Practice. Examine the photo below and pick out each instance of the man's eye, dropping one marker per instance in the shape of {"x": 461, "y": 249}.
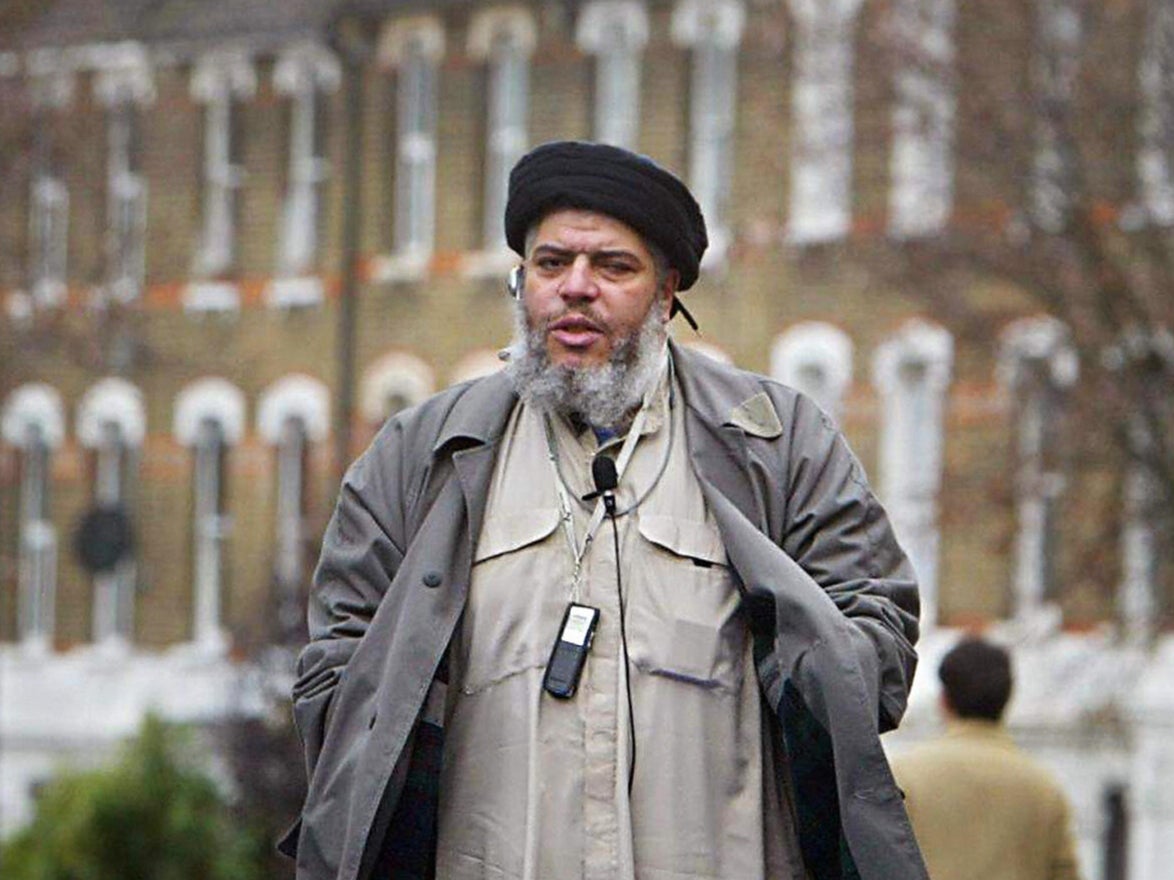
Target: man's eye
{"x": 548, "y": 264}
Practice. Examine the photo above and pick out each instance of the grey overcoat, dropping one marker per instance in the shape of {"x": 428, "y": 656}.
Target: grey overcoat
{"x": 830, "y": 598}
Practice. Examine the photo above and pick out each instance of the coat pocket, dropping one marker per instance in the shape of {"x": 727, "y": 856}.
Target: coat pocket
{"x": 683, "y": 608}
{"x": 516, "y": 597}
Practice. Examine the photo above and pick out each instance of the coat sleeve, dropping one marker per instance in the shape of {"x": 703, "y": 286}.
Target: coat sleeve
{"x": 361, "y": 552}
{"x": 837, "y": 531}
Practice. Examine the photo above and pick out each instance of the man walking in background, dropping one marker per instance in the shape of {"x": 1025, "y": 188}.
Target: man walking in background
{"x": 981, "y": 808}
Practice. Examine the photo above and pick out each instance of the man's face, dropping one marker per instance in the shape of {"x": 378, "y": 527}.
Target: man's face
{"x": 590, "y": 283}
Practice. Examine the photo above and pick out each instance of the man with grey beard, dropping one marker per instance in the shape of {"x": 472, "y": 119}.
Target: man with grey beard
{"x": 619, "y": 611}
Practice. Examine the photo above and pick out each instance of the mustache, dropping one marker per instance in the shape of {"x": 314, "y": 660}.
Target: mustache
{"x": 578, "y": 318}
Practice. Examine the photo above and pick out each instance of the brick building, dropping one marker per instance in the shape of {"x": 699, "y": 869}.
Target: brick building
{"x": 185, "y": 338}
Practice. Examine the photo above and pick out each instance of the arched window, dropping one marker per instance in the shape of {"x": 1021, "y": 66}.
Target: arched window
{"x": 1144, "y": 555}
{"x": 209, "y": 417}
{"x": 292, "y": 413}
{"x": 412, "y": 49}
{"x": 51, "y": 89}
{"x": 33, "y": 422}
{"x": 111, "y": 423}
{"x": 1157, "y": 115}
{"x": 305, "y": 74}
{"x": 712, "y": 31}
{"x": 615, "y": 32}
{"x": 821, "y": 159}
{"x": 1036, "y": 365}
{"x": 504, "y": 38}
{"x": 394, "y": 382}
{"x": 912, "y": 372}
{"x": 124, "y": 85}
{"x": 922, "y": 160}
{"x": 815, "y": 358}
{"x": 220, "y": 81}
{"x": 1059, "y": 38}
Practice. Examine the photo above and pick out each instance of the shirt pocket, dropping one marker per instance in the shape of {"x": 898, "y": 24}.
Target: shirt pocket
{"x": 683, "y": 620}
{"x": 514, "y": 605}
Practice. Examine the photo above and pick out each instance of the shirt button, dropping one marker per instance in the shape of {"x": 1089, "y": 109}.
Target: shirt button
{"x": 432, "y": 579}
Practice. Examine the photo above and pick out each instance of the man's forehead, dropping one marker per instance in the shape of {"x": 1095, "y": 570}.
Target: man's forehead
{"x": 583, "y": 230}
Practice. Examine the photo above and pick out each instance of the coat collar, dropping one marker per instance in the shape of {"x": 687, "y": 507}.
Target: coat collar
{"x": 480, "y": 412}
{"x": 721, "y": 395}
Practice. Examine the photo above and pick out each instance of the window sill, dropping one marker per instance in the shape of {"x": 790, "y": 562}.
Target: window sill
{"x": 399, "y": 268}
{"x": 211, "y": 296}
{"x": 488, "y": 264}
{"x": 294, "y": 293}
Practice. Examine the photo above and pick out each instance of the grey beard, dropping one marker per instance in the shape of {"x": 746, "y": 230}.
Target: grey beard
{"x": 604, "y": 395}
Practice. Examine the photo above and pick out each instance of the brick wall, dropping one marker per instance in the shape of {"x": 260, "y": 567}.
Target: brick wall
{"x": 767, "y": 287}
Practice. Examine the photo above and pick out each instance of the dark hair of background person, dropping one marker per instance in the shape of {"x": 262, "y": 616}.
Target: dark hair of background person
{"x": 976, "y": 679}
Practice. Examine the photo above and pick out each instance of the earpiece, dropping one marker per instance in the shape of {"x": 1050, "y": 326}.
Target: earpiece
{"x": 516, "y": 281}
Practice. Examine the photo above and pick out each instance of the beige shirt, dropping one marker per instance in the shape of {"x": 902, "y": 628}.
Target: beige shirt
{"x": 536, "y": 787}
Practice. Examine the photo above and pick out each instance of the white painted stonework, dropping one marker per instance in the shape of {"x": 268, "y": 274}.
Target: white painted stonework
{"x": 75, "y": 708}
{"x": 111, "y": 400}
{"x": 296, "y": 395}
{"x": 395, "y": 375}
{"x": 209, "y": 398}
{"x": 815, "y": 358}
{"x": 33, "y": 404}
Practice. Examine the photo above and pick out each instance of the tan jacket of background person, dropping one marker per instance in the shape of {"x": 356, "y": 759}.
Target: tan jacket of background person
{"x": 983, "y": 810}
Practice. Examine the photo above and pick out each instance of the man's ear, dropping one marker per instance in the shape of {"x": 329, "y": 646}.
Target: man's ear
{"x": 669, "y": 293}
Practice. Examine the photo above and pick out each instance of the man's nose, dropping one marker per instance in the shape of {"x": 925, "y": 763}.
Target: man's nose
{"x": 579, "y": 281}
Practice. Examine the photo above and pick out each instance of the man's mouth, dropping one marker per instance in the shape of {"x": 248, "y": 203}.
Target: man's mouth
{"x": 575, "y": 331}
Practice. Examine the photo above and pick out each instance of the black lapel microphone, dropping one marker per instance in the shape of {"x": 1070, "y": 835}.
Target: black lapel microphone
{"x": 603, "y": 473}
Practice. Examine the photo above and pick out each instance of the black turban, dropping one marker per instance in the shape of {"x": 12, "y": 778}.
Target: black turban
{"x": 613, "y": 181}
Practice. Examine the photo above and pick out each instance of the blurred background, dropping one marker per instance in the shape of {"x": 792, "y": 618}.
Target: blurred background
{"x": 236, "y": 235}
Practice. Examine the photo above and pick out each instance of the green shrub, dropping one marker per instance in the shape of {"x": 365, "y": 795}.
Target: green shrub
{"x": 153, "y": 815}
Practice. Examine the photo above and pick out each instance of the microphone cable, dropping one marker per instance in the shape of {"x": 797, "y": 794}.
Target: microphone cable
{"x": 609, "y": 504}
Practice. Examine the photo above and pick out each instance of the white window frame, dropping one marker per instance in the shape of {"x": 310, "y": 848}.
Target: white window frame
{"x": 816, "y": 358}
{"x": 52, "y": 88}
{"x": 615, "y": 32}
{"x": 1036, "y": 365}
{"x": 111, "y": 423}
{"x": 504, "y": 38}
{"x": 822, "y": 144}
{"x": 124, "y": 86}
{"x": 292, "y": 413}
{"x": 1156, "y": 76}
{"x": 305, "y": 73}
{"x": 209, "y": 419}
{"x": 911, "y": 372}
{"x": 33, "y": 421}
{"x": 1142, "y": 552}
{"x": 48, "y": 239}
{"x": 1055, "y": 68}
{"x": 413, "y": 48}
{"x": 396, "y": 374}
{"x": 712, "y": 31}
{"x": 1137, "y": 604}
{"x": 921, "y": 195}
{"x": 220, "y": 80}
